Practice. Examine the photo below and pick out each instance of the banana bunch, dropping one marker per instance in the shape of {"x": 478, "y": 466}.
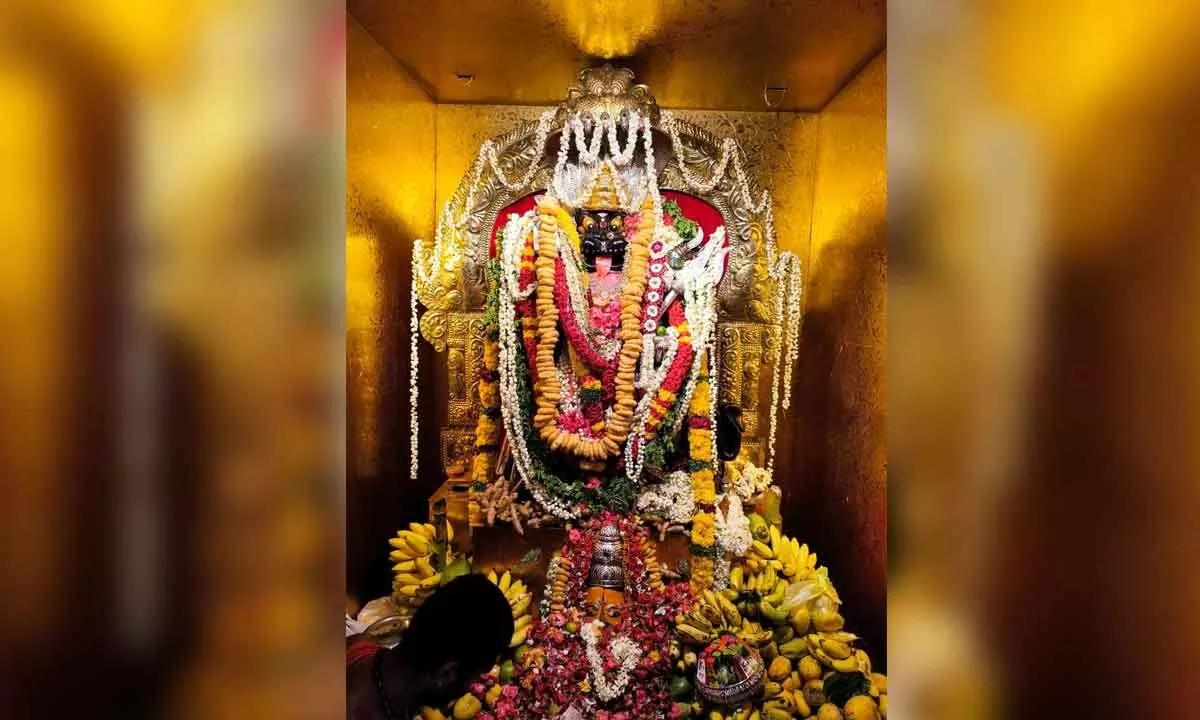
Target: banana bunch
{"x": 835, "y": 650}
{"x": 746, "y": 712}
{"x": 413, "y": 555}
{"x": 519, "y": 599}
{"x": 783, "y": 554}
{"x": 712, "y": 615}
{"x": 759, "y": 593}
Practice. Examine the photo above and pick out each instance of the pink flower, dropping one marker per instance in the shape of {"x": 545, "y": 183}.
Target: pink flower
{"x": 485, "y": 715}
{"x": 509, "y": 692}
{"x": 593, "y": 484}
{"x": 478, "y": 689}
{"x": 575, "y": 536}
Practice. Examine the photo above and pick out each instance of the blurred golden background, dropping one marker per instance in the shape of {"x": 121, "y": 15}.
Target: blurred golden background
{"x": 826, "y": 169}
{"x": 1041, "y": 339}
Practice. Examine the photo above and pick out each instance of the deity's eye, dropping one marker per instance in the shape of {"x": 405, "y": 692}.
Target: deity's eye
{"x": 616, "y": 223}
{"x": 588, "y": 222}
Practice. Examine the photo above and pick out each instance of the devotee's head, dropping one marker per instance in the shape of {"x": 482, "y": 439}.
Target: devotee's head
{"x": 455, "y": 636}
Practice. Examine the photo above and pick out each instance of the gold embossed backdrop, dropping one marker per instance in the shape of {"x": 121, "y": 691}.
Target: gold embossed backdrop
{"x": 826, "y": 171}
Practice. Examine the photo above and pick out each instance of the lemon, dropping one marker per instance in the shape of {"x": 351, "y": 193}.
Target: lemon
{"x": 829, "y": 711}
{"x": 809, "y": 668}
{"x": 879, "y": 680}
{"x": 780, "y": 668}
{"x": 467, "y": 707}
{"x": 861, "y": 707}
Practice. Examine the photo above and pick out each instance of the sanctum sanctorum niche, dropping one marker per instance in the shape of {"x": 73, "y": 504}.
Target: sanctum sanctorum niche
{"x": 615, "y": 327}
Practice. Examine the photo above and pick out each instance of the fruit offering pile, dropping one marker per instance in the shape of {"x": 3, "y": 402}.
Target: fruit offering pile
{"x": 782, "y": 603}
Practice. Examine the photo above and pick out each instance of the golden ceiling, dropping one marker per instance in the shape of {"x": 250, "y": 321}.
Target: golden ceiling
{"x": 717, "y": 54}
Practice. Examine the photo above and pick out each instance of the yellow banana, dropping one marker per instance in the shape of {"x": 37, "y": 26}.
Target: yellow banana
{"x": 406, "y": 566}
{"x": 518, "y": 637}
{"x": 730, "y": 611}
{"x": 774, "y": 712}
{"x": 505, "y": 581}
{"x": 776, "y": 615}
{"x": 864, "y": 661}
{"x": 432, "y": 581}
{"x": 403, "y": 549}
{"x": 836, "y": 649}
{"x": 416, "y": 541}
{"x": 762, "y": 550}
{"x": 692, "y": 633}
{"x": 425, "y": 567}
{"x": 846, "y": 665}
{"x": 517, "y": 589}
{"x": 408, "y": 579}
{"x": 522, "y": 605}
{"x": 491, "y": 576}
{"x": 736, "y": 577}
{"x": 523, "y": 622}
{"x": 801, "y": 705}
{"x": 424, "y": 529}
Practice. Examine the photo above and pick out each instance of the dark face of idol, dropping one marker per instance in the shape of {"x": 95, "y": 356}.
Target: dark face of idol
{"x": 602, "y": 234}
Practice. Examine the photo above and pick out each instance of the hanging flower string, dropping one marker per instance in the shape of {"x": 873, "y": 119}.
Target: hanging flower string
{"x": 704, "y": 489}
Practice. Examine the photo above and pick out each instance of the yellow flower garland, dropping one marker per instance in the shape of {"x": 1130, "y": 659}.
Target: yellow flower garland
{"x": 547, "y": 390}
{"x": 487, "y": 430}
{"x": 704, "y": 486}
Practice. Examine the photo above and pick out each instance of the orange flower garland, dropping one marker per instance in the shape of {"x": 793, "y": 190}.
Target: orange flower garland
{"x": 487, "y": 429}
{"x": 547, "y": 389}
{"x": 704, "y": 523}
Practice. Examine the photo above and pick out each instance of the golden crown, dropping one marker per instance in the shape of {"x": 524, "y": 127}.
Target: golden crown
{"x": 604, "y": 195}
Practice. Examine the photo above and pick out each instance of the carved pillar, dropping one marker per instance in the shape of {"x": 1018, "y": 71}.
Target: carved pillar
{"x": 746, "y": 353}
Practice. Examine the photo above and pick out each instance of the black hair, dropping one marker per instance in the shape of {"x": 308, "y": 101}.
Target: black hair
{"x": 467, "y": 621}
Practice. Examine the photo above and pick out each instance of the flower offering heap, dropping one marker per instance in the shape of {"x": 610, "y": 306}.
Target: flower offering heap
{"x": 602, "y": 281}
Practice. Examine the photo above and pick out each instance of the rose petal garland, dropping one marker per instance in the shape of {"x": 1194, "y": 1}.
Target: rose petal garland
{"x": 704, "y": 488}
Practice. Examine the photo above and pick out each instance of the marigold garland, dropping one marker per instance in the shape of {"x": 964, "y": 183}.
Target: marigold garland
{"x": 487, "y": 429}
{"x": 547, "y": 388}
{"x": 703, "y": 484}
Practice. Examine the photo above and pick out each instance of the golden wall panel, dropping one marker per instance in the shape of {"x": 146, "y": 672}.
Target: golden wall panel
{"x": 837, "y": 433}
{"x": 390, "y": 130}
{"x": 389, "y": 203}
{"x": 461, "y": 129}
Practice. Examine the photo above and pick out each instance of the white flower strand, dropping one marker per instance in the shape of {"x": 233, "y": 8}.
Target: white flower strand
{"x": 621, "y": 157}
{"x": 510, "y": 407}
{"x": 624, "y": 650}
{"x": 589, "y": 153}
{"x": 414, "y": 362}
{"x": 672, "y": 500}
{"x": 733, "y": 527}
{"x": 782, "y": 267}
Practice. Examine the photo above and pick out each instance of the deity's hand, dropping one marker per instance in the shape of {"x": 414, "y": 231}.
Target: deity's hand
{"x": 709, "y": 263}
